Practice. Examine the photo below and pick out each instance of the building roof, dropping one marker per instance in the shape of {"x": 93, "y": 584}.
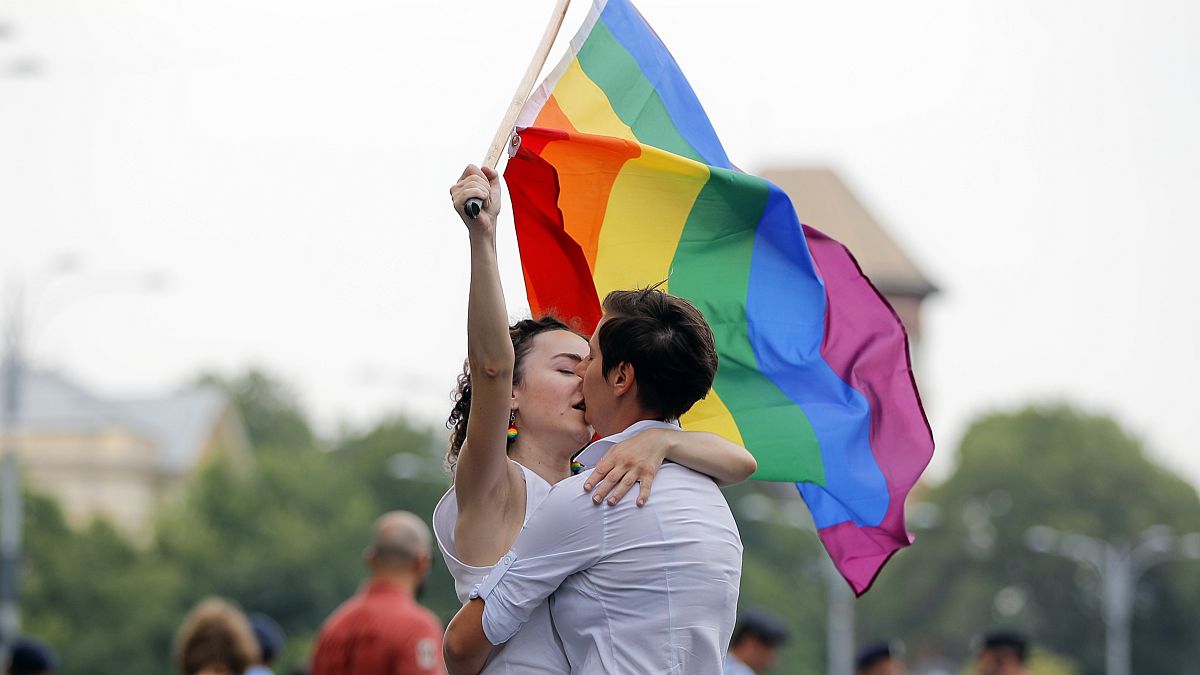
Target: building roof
{"x": 824, "y": 202}
{"x": 178, "y": 424}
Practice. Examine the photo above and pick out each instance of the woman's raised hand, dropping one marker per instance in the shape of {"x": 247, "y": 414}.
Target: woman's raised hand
{"x": 482, "y": 183}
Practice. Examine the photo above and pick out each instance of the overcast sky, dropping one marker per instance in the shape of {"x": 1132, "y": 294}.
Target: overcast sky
{"x": 286, "y": 164}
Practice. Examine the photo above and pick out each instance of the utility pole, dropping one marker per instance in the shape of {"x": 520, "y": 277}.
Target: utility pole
{"x": 15, "y": 323}
{"x": 1119, "y": 565}
{"x": 11, "y": 511}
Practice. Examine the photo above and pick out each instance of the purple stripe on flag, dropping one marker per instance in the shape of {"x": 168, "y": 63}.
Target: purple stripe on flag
{"x": 900, "y": 437}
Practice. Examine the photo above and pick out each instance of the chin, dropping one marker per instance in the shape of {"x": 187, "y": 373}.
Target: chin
{"x": 587, "y": 434}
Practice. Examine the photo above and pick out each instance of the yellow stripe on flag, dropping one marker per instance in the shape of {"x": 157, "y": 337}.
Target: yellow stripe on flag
{"x": 587, "y": 107}
{"x": 712, "y": 416}
{"x": 647, "y": 209}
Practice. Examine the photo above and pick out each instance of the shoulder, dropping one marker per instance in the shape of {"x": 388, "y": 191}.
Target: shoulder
{"x": 345, "y": 611}
{"x": 568, "y": 491}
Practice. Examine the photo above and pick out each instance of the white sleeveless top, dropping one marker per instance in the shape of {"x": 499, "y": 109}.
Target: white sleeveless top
{"x": 537, "y": 647}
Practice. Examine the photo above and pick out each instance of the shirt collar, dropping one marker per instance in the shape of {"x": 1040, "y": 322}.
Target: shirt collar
{"x": 592, "y": 453}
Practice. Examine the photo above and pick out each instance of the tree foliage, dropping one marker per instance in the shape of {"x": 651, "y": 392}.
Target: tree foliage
{"x": 284, "y": 537}
{"x": 1041, "y": 466}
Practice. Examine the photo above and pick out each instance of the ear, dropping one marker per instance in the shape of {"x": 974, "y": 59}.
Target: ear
{"x": 623, "y": 379}
{"x": 421, "y": 565}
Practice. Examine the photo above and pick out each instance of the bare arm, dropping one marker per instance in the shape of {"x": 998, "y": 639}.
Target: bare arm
{"x": 466, "y": 647}
{"x": 637, "y": 460}
{"x": 482, "y": 471}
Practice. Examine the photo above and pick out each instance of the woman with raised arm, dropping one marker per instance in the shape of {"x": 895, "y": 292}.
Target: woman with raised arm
{"x": 518, "y": 420}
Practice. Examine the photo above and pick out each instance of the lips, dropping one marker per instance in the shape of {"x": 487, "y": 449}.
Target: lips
{"x": 581, "y": 406}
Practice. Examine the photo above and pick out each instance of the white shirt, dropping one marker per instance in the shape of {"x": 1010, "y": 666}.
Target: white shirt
{"x": 635, "y": 590}
{"x": 537, "y": 649}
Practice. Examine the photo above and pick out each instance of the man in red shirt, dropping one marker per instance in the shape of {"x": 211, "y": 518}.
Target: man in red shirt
{"x": 382, "y": 630}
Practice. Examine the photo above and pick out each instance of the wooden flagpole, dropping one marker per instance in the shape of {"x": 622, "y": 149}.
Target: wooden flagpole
{"x": 500, "y": 140}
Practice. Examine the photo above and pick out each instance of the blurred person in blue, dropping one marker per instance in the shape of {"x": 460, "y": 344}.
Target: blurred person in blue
{"x": 755, "y": 645}
{"x": 1002, "y": 653}
{"x": 880, "y": 658}
{"x": 30, "y": 657}
{"x": 270, "y": 639}
{"x": 518, "y": 420}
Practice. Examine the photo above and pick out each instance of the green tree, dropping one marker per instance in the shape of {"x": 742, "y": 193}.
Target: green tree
{"x": 284, "y": 539}
{"x": 401, "y": 466}
{"x": 105, "y": 607}
{"x": 1041, "y": 466}
{"x": 269, "y": 409}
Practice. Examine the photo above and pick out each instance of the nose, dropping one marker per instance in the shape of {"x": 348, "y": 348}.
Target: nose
{"x": 581, "y": 368}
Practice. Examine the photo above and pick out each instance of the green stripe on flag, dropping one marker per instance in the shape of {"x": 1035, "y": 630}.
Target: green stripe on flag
{"x": 607, "y": 63}
{"x": 712, "y": 269}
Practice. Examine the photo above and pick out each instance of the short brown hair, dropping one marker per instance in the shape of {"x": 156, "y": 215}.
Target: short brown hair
{"x": 215, "y": 634}
{"x": 667, "y": 341}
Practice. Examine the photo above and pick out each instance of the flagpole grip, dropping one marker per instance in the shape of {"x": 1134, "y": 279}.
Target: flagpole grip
{"x": 504, "y": 132}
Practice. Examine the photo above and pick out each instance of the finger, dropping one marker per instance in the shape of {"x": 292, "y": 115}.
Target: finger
{"x": 470, "y": 170}
{"x": 463, "y": 194}
{"x": 603, "y": 467}
{"x": 603, "y": 488}
{"x": 477, "y": 182}
{"x": 622, "y": 489}
{"x": 490, "y": 174}
{"x": 644, "y": 493}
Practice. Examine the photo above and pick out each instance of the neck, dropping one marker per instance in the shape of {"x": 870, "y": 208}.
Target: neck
{"x": 623, "y": 418}
{"x": 536, "y": 455}
{"x": 403, "y": 578}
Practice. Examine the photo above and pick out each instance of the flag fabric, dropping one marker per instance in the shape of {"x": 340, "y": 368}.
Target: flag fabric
{"x": 618, "y": 180}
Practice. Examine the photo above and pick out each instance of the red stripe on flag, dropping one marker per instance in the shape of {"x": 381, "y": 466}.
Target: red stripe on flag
{"x": 558, "y": 280}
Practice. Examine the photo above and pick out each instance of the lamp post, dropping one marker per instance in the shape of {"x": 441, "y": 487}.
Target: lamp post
{"x": 11, "y": 511}
{"x": 839, "y": 605}
{"x": 17, "y": 318}
{"x": 1119, "y": 564}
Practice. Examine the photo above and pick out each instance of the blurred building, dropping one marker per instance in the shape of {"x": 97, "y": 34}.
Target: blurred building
{"x": 824, "y": 202}
{"x": 119, "y": 458}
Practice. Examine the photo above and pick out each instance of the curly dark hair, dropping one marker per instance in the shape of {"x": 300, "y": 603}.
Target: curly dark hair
{"x": 522, "y": 334}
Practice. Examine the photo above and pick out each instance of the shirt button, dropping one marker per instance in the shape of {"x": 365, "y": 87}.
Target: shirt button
{"x": 506, "y": 560}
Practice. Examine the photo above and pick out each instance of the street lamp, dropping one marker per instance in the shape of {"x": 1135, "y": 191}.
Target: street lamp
{"x": 17, "y": 318}
{"x": 839, "y": 607}
{"x": 1119, "y": 565}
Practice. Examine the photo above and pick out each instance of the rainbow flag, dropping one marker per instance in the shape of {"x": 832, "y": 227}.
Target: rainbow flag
{"x": 617, "y": 180}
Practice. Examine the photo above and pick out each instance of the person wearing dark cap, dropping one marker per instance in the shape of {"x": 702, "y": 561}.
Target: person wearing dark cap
{"x": 1002, "y": 653}
{"x": 270, "y": 641}
{"x": 755, "y": 644}
{"x": 30, "y": 657}
{"x": 881, "y": 658}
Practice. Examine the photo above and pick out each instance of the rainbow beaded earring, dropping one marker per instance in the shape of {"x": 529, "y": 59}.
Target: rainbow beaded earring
{"x": 512, "y": 427}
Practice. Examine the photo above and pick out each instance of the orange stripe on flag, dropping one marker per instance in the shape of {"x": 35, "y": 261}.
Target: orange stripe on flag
{"x": 552, "y": 117}
{"x": 586, "y": 172}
